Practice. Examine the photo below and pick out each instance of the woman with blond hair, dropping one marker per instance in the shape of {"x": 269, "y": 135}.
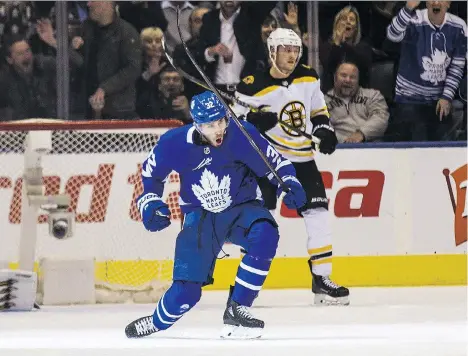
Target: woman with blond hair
{"x": 153, "y": 55}
{"x": 154, "y": 61}
{"x": 345, "y": 44}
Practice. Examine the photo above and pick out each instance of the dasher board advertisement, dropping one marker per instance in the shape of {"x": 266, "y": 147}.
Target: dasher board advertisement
{"x": 398, "y": 217}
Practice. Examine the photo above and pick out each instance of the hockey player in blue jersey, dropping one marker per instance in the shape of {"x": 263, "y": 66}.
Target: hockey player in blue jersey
{"x": 219, "y": 199}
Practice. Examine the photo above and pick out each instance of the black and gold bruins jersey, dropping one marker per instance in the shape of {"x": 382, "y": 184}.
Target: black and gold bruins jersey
{"x": 295, "y": 99}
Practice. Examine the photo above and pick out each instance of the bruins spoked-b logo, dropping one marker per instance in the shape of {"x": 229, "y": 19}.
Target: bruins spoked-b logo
{"x": 293, "y": 114}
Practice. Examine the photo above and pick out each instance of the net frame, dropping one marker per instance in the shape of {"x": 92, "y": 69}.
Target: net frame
{"x": 108, "y": 290}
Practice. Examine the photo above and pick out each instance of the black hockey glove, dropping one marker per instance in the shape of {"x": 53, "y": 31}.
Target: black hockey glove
{"x": 328, "y": 140}
{"x": 262, "y": 120}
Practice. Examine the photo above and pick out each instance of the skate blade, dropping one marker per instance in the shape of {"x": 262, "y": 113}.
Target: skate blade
{"x": 323, "y": 299}
{"x": 240, "y": 332}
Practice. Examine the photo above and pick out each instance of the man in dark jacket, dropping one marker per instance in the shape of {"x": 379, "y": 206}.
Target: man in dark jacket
{"x": 167, "y": 100}
{"x": 27, "y": 83}
{"x": 111, "y": 55}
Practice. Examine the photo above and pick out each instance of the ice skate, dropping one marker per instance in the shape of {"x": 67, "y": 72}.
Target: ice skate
{"x": 141, "y": 327}
{"x": 239, "y": 323}
{"x": 327, "y": 292}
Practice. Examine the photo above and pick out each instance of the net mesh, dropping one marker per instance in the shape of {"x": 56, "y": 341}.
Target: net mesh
{"x": 99, "y": 168}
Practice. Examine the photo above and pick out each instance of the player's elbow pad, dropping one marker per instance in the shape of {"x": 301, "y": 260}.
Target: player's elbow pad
{"x": 263, "y": 121}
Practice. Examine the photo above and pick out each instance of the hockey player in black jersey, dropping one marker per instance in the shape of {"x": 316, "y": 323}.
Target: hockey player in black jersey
{"x": 291, "y": 94}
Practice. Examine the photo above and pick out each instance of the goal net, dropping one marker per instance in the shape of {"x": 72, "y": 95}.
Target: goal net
{"x": 97, "y": 165}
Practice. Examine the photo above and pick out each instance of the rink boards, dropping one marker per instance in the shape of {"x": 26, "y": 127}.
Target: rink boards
{"x": 393, "y": 219}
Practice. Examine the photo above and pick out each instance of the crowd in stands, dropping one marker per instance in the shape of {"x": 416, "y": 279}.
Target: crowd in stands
{"x": 390, "y": 71}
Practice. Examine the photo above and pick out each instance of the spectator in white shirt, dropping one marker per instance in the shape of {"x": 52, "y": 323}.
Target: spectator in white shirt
{"x": 226, "y": 52}
{"x": 230, "y": 38}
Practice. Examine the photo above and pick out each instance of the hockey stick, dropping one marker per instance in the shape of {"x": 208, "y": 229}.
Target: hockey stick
{"x": 230, "y": 97}
{"x": 228, "y": 108}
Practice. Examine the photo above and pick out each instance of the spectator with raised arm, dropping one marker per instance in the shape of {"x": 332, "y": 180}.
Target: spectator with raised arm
{"x": 262, "y": 60}
{"x": 154, "y": 59}
{"x": 357, "y": 114}
{"x": 346, "y": 44}
{"x": 108, "y": 55}
{"x": 230, "y": 39}
{"x": 153, "y": 55}
{"x": 19, "y": 18}
{"x": 289, "y": 19}
{"x": 27, "y": 83}
{"x": 433, "y": 52}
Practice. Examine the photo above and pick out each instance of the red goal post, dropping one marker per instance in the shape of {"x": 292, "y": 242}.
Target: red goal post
{"x": 95, "y": 165}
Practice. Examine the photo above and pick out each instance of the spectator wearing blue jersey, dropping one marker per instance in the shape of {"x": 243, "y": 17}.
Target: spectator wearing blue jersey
{"x": 433, "y": 51}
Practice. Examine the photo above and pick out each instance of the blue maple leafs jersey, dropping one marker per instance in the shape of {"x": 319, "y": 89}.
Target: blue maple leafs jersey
{"x": 214, "y": 178}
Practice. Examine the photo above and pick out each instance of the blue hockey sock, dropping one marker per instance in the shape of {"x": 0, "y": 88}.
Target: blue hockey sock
{"x": 178, "y": 300}
{"x": 250, "y": 277}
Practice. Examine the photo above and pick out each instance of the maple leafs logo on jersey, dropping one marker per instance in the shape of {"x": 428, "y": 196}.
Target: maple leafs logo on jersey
{"x": 435, "y": 67}
{"x": 213, "y": 194}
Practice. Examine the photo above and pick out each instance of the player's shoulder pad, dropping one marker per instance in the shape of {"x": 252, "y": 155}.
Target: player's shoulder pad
{"x": 252, "y": 84}
{"x": 305, "y": 71}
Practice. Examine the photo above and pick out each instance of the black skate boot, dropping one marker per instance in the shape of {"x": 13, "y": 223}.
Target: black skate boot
{"x": 239, "y": 323}
{"x": 141, "y": 327}
{"x": 326, "y": 291}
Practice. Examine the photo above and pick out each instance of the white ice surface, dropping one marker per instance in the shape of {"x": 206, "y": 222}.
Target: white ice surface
{"x": 380, "y": 321}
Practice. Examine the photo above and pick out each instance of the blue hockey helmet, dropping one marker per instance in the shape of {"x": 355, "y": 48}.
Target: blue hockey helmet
{"x": 206, "y": 107}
